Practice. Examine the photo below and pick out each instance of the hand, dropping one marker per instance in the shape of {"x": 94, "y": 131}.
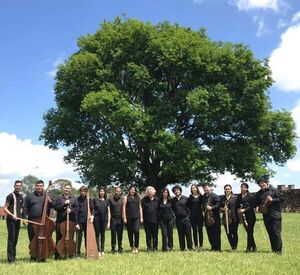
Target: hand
{"x": 208, "y": 208}
{"x": 108, "y": 226}
{"x": 125, "y": 221}
{"x": 67, "y": 201}
{"x": 69, "y": 210}
{"x": 91, "y": 218}
{"x": 25, "y": 223}
{"x": 269, "y": 199}
{"x": 77, "y": 226}
{"x": 49, "y": 200}
{"x": 141, "y": 220}
{"x": 14, "y": 217}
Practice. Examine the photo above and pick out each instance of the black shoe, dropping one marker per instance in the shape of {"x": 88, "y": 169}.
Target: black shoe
{"x": 113, "y": 251}
{"x": 120, "y": 250}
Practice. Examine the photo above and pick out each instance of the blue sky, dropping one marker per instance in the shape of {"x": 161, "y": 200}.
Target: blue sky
{"x": 38, "y": 35}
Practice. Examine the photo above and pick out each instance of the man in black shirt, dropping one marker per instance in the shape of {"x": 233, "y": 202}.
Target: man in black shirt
{"x": 150, "y": 205}
{"x": 211, "y": 205}
{"x": 66, "y": 203}
{"x": 13, "y": 208}
{"x": 270, "y": 199}
{"x": 182, "y": 214}
{"x": 116, "y": 222}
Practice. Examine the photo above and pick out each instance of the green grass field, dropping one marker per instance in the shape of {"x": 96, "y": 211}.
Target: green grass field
{"x": 204, "y": 262}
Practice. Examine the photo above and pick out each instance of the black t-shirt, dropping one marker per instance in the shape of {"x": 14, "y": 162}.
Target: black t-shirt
{"x": 115, "y": 205}
{"x": 195, "y": 205}
{"x": 231, "y": 204}
{"x": 61, "y": 208}
{"x": 34, "y": 205}
{"x": 11, "y": 203}
{"x": 150, "y": 209}
{"x": 214, "y": 201}
{"x": 132, "y": 207}
{"x": 100, "y": 209}
{"x": 82, "y": 208}
{"x": 180, "y": 209}
{"x": 246, "y": 203}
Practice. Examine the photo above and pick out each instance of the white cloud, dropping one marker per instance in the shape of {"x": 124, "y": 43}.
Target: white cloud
{"x": 261, "y": 26}
{"x": 54, "y": 64}
{"x": 295, "y": 17}
{"x": 256, "y": 4}
{"x": 285, "y": 61}
{"x": 19, "y": 158}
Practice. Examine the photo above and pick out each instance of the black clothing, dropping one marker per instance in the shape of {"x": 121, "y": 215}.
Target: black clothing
{"x": 272, "y": 219}
{"x": 182, "y": 213}
{"x": 213, "y": 231}
{"x": 13, "y": 226}
{"x": 34, "y": 205}
{"x": 195, "y": 205}
{"x": 247, "y": 203}
{"x": 100, "y": 221}
{"x": 116, "y": 222}
{"x": 82, "y": 220}
{"x": 133, "y": 207}
{"x": 166, "y": 217}
{"x": 150, "y": 215}
{"x": 232, "y": 235}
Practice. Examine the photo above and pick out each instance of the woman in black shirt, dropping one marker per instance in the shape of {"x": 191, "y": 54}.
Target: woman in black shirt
{"x": 195, "y": 205}
{"x": 132, "y": 217}
{"x": 166, "y": 217}
{"x": 101, "y": 218}
{"x": 245, "y": 205}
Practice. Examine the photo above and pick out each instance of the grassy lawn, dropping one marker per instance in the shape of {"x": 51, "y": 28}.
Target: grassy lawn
{"x": 204, "y": 262}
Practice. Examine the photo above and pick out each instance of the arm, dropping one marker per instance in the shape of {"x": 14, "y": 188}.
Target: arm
{"x": 124, "y": 209}
{"x": 109, "y": 216}
{"x": 141, "y": 211}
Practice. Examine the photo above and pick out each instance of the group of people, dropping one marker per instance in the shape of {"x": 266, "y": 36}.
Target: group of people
{"x": 190, "y": 214}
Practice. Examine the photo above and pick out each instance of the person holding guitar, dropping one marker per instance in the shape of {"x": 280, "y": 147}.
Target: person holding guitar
{"x": 13, "y": 208}
{"x": 65, "y": 205}
{"x": 268, "y": 200}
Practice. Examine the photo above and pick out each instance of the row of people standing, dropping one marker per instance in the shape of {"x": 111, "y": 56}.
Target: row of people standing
{"x": 191, "y": 214}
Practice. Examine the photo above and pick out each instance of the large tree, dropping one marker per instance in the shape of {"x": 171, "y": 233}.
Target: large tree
{"x": 161, "y": 104}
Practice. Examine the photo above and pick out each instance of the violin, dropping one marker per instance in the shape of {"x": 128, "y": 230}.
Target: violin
{"x": 242, "y": 218}
{"x": 209, "y": 218}
{"x": 42, "y": 245}
{"x": 263, "y": 207}
{"x": 227, "y": 220}
{"x": 66, "y": 246}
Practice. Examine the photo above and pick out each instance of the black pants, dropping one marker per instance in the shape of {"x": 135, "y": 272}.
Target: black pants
{"x": 100, "y": 227}
{"x": 214, "y": 235}
{"x": 167, "y": 234}
{"x": 251, "y": 246}
{"x": 151, "y": 230}
{"x": 133, "y": 230}
{"x": 116, "y": 229}
{"x": 30, "y": 232}
{"x": 273, "y": 227}
{"x": 79, "y": 237}
{"x": 197, "y": 225}
{"x": 184, "y": 233}
{"x": 13, "y": 229}
{"x": 232, "y": 235}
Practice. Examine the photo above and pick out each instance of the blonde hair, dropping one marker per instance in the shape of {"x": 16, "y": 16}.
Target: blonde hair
{"x": 148, "y": 189}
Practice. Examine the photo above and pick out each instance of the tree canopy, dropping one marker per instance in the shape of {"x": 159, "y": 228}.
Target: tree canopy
{"x": 161, "y": 104}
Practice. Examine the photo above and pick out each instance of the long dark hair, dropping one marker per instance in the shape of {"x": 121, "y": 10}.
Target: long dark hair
{"x": 228, "y": 185}
{"x": 102, "y": 188}
{"x": 162, "y": 191}
{"x": 198, "y": 190}
{"x": 136, "y": 191}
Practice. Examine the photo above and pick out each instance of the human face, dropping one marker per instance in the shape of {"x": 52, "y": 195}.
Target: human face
{"x": 67, "y": 190}
{"x": 83, "y": 193}
{"x": 101, "y": 193}
{"x": 165, "y": 194}
{"x": 39, "y": 187}
{"x": 263, "y": 185}
{"x": 244, "y": 189}
{"x": 118, "y": 192}
{"x": 151, "y": 192}
{"x": 228, "y": 190}
{"x": 18, "y": 187}
{"x": 132, "y": 191}
{"x": 194, "y": 190}
{"x": 206, "y": 189}
{"x": 177, "y": 192}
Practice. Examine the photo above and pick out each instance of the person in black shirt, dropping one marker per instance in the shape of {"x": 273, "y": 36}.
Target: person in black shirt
{"x": 116, "y": 222}
{"x": 33, "y": 207}
{"x": 182, "y": 213}
{"x": 166, "y": 218}
{"x": 150, "y": 205}
{"x": 82, "y": 217}
{"x": 13, "y": 208}
{"x": 211, "y": 204}
{"x": 228, "y": 203}
{"x": 195, "y": 205}
{"x": 245, "y": 208}
{"x": 270, "y": 198}
{"x": 101, "y": 218}
{"x": 65, "y": 203}
{"x": 132, "y": 217}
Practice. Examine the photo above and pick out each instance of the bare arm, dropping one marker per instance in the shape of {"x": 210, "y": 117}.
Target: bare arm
{"x": 141, "y": 211}
{"x": 124, "y": 209}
